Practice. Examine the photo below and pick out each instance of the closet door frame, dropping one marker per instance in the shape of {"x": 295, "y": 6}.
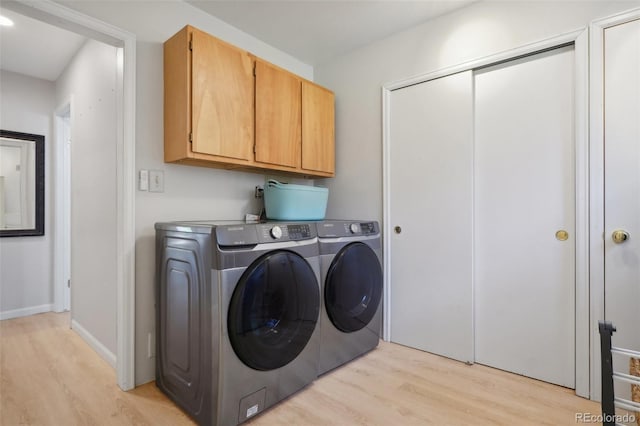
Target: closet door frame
{"x": 580, "y": 40}
{"x": 597, "y": 226}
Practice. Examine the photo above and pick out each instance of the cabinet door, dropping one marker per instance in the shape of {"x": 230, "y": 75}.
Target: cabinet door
{"x": 318, "y": 128}
{"x": 277, "y": 116}
{"x": 222, "y": 98}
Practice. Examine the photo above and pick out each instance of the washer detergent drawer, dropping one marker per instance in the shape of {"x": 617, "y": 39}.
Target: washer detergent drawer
{"x": 181, "y": 363}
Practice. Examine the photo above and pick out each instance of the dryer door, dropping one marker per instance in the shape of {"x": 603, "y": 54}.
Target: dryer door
{"x": 353, "y": 287}
{"x": 273, "y": 310}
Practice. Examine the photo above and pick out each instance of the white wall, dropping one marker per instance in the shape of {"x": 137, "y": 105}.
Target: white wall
{"x": 190, "y": 192}
{"x": 90, "y": 81}
{"x": 480, "y": 30}
{"x": 26, "y": 285}
{"x": 195, "y": 193}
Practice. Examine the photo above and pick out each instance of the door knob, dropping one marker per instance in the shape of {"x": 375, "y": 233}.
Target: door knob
{"x": 397, "y": 229}
{"x": 562, "y": 235}
{"x": 619, "y": 236}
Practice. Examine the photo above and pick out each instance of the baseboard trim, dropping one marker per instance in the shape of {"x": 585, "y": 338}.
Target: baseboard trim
{"x": 95, "y": 344}
{"x": 25, "y": 312}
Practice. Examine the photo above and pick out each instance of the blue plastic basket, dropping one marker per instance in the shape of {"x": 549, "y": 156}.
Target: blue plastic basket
{"x": 284, "y": 201}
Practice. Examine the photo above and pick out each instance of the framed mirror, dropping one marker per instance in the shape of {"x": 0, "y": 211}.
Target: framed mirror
{"x": 21, "y": 184}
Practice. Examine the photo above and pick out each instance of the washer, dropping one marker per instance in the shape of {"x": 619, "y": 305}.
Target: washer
{"x": 237, "y": 308}
{"x": 351, "y": 276}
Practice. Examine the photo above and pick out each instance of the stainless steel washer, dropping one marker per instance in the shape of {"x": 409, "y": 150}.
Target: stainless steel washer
{"x": 237, "y": 309}
{"x": 351, "y": 276}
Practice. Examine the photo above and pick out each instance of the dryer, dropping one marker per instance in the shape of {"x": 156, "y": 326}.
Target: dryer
{"x": 351, "y": 288}
{"x": 237, "y": 307}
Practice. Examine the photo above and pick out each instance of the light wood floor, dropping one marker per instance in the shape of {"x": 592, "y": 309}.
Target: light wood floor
{"x": 49, "y": 376}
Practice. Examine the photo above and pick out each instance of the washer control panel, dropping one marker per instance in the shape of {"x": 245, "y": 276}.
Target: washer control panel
{"x": 271, "y": 232}
{"x": 259, "y": 233}
{"x": 276, "y": 232}
{"x": 299, "y": 231}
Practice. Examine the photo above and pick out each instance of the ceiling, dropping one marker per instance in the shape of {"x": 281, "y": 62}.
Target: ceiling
{"x": 36, "y": 49}
{"x": 312, "y": 31}
{"x": 315, "y": 31}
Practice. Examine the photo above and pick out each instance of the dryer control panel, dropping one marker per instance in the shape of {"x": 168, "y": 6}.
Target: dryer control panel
{"x": 368, "y": 228}
{"x": 338, "y": 228}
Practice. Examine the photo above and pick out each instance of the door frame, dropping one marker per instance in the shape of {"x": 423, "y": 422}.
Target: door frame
{"x": 580, "y": 40}
{"x": 596, "y": 208}
{"x": 61, "y": 16}
{"x": 62, "y": 206}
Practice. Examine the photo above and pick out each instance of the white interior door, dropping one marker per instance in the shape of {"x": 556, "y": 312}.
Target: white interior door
{"x": 430, "y": 199}
{"x": 622, "y": 188}
{"x": 524, "y": 195}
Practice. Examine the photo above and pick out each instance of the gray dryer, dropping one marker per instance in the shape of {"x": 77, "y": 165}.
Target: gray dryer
{"x": 351, "y": 274}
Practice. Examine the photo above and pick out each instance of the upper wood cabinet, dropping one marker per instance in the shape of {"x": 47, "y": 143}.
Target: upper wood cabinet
{"x": 278, "y": 116}
{"x": 222, "y": 98}
{"x": 208, "y": 100}
{"x": 318, "y": 129}
{"x": 223, "y": 107}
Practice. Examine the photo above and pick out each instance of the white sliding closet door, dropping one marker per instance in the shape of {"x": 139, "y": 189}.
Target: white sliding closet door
{"x": 430, "y": 197}
{"x": 622, "y": 189}
{"x": 524, "y": 200}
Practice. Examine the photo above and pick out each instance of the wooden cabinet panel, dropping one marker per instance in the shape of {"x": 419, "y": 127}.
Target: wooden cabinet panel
{"x": 278, "y": 116}
{"x": 222, "y": 98}
{"x": 177, "y": 99}
{"x": 220, "y": 111}
{"x": 318, "y": 128}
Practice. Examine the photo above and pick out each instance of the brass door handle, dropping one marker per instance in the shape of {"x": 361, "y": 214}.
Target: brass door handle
{"x": 562, "y": 235}
{"x": 619, "y": 236}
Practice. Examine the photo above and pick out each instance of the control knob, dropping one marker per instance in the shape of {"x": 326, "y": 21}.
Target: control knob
{"x": 276, "y": 232}
{"x": 354, "y": 228}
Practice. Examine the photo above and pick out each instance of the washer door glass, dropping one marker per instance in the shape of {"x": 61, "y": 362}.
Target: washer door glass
{"x": 353, "y": 287}
{"x": 274, "y": 310}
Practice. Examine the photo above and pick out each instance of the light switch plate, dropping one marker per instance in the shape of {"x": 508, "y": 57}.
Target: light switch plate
{"x": 156, "y": 181}
{"x": 143, "y": 184}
